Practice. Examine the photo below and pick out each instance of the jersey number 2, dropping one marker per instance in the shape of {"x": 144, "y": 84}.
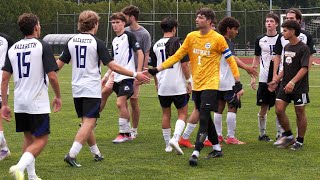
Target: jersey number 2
{"x": 24, "y": 64}
{"x": 81, "y": 52}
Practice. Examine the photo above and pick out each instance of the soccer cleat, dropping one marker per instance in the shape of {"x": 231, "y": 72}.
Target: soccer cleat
{"x": 14, "y": 171}
{"x": 185, "y": 143}
{"x": 193, "y": 160}
{"x": 284, "y": 142}
{"x": 234, "y": 140}
{"x": 71, "y": 161}
{"x": 4, "y": 154}
{"x": 133, "y": 134}
{"x": 121, "y": 138}
{"x": 175, "y": 145}
{"x": 168, "y": 149}
{"x": 98, "y": 158}
{"x": 37, "y": 178}
{"x": 264, "y": 138}
{"x": 207, "y": 143}
{"x": 221, "y": 139}
{"x": 297, "y": 146}
{"x": 214, "y": 154}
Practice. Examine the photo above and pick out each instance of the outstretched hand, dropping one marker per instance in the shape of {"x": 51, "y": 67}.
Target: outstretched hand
{"x": 143, "y": 77}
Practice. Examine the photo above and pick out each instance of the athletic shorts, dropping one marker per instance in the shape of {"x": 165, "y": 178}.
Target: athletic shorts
{"x": 205, "y": 98}
{"x": 264, "y": 96}
{"x": 178, "y": 100}
{"x": 87, "y": 107}
{"x": 37, "y": 124}
{"x": 124, "y": 88}
{"x": 298, "y": 99}
{"x": 225, "y": 95}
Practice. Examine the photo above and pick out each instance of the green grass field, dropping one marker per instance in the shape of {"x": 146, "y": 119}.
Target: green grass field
{"x": 145, "y": 158}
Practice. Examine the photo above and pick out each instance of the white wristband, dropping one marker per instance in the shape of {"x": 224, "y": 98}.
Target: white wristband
{"x": 188, "y": 80}
{"x": 134, "y": 74}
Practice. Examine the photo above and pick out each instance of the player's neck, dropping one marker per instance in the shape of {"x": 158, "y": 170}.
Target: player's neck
{"x": 120, "y": 32}
{"x": 294, "y": 40}
{"x": 168, "y": 34}
{"x": 33, "y": 35}
{"x": 227, "y": 37}
{"x": 272, "y": 32}
{"x": 204, "y": 31}
{"x": 134, "y": 26}
{"x": 92, "y": 31}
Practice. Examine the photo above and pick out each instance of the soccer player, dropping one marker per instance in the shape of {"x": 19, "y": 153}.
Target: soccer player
{"x": 5, "y": 43}
{"x": 32, "y": 64}
{"x": 85, "y": 52}
{"x": 124, "y": 46}
{"x": 144, "y": 39}
{"x": 205, "y": 48}
{"x": 172, "y": 84}
{"x": 294, "y": 85}
{"x": 264, "y": 53}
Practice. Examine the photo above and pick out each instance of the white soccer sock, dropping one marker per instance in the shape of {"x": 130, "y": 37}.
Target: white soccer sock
{"x": 26, "y": 159}
{"x": 134, "y": 130}
{"x": 262, "y": 123}
{"x": 189, "y": 129}
{"x": 218, "y": 123}
{"x": 123, "y": 125}
{"x": 75, "y": 149}
{"x": 166, "y": 135}
{"x": 178, "y": 129}
{"x": 31, "y": 170}
{"x": 128, "y": 126}
{"x": 216, "y": 147}
{"x": 196, "y": 153}
{"x": 95, "y": 150}
{"x": 231, "y": 124}
{"x": 279, "y": 128}
{"x": 3, "y": 143}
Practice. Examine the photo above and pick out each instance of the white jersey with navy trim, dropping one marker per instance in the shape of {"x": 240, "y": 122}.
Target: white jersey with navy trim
{"x": 226, "y": 77}
{"x": 264, "y": 47}
{"x": 85, "y": 52}
{"x": 171, "y": 81}
{"x": 123, "y": 49}
{"x": 5, "y": 43}
{"x": 29, "y": 61}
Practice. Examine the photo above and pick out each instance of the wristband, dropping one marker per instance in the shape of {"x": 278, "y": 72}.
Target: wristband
{"x": 188, "y": 81}
{"x": 237, "y": 87}
{"x": 153, "y": 71}
{"x": 134, "y": 74}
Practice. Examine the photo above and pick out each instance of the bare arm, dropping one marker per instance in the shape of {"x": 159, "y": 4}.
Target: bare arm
{"x": 185, "y": 70}
{"x": 255, "y": 63}
{"x": 276, "y": 64}
{"x": 60, "y": 63}
{"x": 53, "y": 78}
{"x": 146, "y": 59}
{"x": 5, "y": 110}
{"x": 140, "y": 60}
{"x": 250, "y": 70}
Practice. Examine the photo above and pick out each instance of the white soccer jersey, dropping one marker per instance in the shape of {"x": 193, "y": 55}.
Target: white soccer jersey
{"x": 123, "y": 49}
{"x": 264, "y": 47}
{"x": 29, "y": 60}
{"x": 85, "y": 52}
{"x": 171, "y": 81}
{"x": 226, "y": 76}
{"x": 5, "y": 43}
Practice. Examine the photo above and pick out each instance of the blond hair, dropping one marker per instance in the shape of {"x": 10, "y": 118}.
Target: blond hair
{"x": 87, "y": 20}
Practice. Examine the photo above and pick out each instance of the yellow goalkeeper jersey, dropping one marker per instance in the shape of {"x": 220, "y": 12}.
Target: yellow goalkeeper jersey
{"x": 204, "y": 53}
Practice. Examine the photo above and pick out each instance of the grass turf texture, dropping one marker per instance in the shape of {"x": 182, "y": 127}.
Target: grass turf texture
{"x": 145, "y": 158}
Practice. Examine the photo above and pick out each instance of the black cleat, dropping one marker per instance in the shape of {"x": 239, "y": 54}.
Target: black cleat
{"x": 71, "y": 161}
{"x": 98, "y": 158}
{"x": 297, "y": 146}
{"x": 264, "y": 138}
{"x": 193, "y": 161}
{"x": 214, "y": 154}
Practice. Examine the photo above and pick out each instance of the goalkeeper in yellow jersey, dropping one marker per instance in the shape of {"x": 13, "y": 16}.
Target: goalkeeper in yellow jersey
{"x": 205, "y": 48}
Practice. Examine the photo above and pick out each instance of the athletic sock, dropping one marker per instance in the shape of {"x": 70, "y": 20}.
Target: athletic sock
{"x": 231, "y": 124}
{"x": 189, "y": 129}
{"x": 300, "y": 139}
{"x": 3, "y": 143}
{"x": 218, "y": 123}
{"x": 75, "y": 149}
{"x": 166, "y": 135}
{"x": 95, "y": 150}
{"x": 178, "y": 129}
{"x": 195, "y": 153}
{"x": 26, "y": 159}
{"x": 31, "y": 170}
{"x": 216, "y": 147}
{"x": 262, "y": 123}
{"x": 279, "y": 128}
{"x": 123, "y": 125}
{"x": 287, "y": 134}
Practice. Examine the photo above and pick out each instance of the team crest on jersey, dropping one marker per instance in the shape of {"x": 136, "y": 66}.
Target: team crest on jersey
{"x": 208, "y": 45}
{"x": 137, "y": 45}
{"x": 1, "y": 42}
{"x": 288, "y": 60}
{"x": 301, "y": 38}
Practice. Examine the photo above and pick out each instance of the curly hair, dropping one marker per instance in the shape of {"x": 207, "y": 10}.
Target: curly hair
{"x": 292, "y": 25}
{"x": 228, "y": 22}
{"x": 27, "y": 22}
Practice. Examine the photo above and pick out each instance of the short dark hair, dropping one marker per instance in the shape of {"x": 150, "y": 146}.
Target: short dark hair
{"x": 168, "y": 23}
{"x": 295, "y": 11}
{"x": 118, "y": 15}
{"x": 273, "y": 16}
{"x": 291, "y": 24}
{"x": 27, "y": 22}
{"x": 87, "y": 20}
{"x": 228, "y": 22}
{"x": 208, "y": 13}
{"x": 131, "y": 11}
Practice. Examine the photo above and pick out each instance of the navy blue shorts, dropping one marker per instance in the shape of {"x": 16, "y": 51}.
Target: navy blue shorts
{"x": 37, "y": 124}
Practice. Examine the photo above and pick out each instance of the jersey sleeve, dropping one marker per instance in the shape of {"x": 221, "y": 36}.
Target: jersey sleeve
{"x": 257, "y": 48}
{"x": 278, "y": 47}
{"x": 65, "y": 56}
{"x": 48, "y": 60}
{"x": 146, "y": 46}
{"x": 9, "y": 39}
{"x": 153, "y": 58}
{"x": 310, "y": 44}
{"x": 133, "y": 43}
{"x": 304, "y": 60}
{"x": 7, "y": 65}
{"x": 103, "y": 52}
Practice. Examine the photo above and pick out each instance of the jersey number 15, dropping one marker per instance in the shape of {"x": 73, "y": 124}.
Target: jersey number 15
{"x": 24, "y": 64}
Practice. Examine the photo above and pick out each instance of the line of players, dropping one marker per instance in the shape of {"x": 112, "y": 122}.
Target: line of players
{"x": 206, "y": 96}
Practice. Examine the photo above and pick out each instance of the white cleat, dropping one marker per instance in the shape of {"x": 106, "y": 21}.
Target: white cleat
{"x": 14, "y": 171}
{"x": 175, "y": 145}
{"x": 168, "y": 149}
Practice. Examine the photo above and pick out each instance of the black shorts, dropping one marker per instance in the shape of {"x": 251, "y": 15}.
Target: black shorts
{"x": 205, "y": 98}
{"x": 179, "y": 100}
{"x": 87, "y": 107}
{"x": 225, "y": 95}
{"x": 264, "y": 96}
{"x": 37, "y": 124}
{"x": 298, "y": 99}
{"x": 124, "y": 88}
